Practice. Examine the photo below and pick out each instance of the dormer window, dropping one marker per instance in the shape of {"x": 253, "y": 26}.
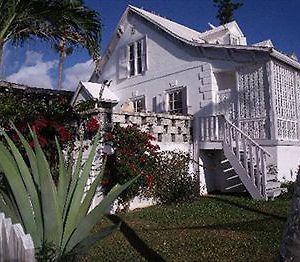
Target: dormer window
{"x": 132, "y": 59}
{"x": 234, "y": 40}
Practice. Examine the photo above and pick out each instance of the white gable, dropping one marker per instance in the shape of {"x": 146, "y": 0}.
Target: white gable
{"x": 94, "y": 90}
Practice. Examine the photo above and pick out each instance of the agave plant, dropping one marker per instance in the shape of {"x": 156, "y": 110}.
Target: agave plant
{"x": 54, "y": 214}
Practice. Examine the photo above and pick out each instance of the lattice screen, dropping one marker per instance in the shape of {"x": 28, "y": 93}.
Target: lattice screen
{"x": 252, "y": 100}
{"x": 285, "y": 101}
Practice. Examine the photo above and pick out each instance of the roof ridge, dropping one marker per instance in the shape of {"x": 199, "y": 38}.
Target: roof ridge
{"x": 176, "y": 28}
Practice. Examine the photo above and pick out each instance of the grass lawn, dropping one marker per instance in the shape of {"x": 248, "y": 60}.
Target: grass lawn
{"x": 215, "y": 228}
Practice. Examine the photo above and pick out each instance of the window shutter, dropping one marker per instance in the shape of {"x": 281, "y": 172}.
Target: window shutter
{"x": 184, "y": 101}
{"x": 144, "y": 55}
{"x": 123, "y": 62}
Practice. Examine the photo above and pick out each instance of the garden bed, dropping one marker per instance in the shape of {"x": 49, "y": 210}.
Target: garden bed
{"x": 215, "y": 228}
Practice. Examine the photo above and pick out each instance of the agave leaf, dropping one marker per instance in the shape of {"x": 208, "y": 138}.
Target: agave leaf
{"x": 92, "y": 239}
{"x": 71, "y": 221}
{"x": 8, "y": 208}
{"x": 29, "y": 184}
{"x": 10, "y": 169}
{"x": 87, "y": 223}
{"x": 31, "y": 156}
{"x": 63, "y": 182}
{"x": 74, "y": 178}
{"x": 53, "y": 226}
{"x": 84, "y": 208}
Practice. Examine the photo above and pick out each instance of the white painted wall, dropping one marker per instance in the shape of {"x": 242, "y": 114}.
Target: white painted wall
{"x": 169, "y": 62}
{"x": 287, "y": 159}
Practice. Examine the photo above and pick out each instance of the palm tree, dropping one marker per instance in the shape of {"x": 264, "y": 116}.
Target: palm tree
{"x": 85, "y": 32}
{"x": 51, "y": 20}
{"x": 63, "y": 51}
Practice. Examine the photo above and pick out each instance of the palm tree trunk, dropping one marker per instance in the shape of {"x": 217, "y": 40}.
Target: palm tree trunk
{"x": 62, "y": 55}
{"x": 290, "y": 244}
{"x": 1, "y": 60}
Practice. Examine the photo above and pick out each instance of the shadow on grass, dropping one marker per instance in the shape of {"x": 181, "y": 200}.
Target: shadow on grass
{"x": 259, "y": 225}
{"x": 232, "y": 203}
{"x": 135, "y": 241}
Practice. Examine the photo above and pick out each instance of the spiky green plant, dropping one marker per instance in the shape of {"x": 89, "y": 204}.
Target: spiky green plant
{"x": 56, "y": 215}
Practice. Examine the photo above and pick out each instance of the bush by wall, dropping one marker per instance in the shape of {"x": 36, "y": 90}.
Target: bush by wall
{"x": 172, "y": 181}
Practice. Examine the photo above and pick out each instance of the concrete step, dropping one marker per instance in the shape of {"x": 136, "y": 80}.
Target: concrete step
{"x": 271, "y": 177}
{"x": 225, "y": 161}
{"x": 272, "y": 193}
{"x": 234, "y": 186}
{"x": 232, "y": 177}
{"x": 228, "y": 170}
{"x": 273, "y": 184}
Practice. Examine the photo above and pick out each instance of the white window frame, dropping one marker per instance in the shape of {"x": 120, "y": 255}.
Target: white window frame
{"x": 137, "y": 54}
{"x": 172, "y": 103}
{"x": 136, "y": 100}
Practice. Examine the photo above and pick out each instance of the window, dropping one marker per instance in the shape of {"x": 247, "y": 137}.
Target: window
{"x": 234, "y": 40}
{"x": 177, "y": 101}
{"x": 132, "y": 59}
{"x": 139, "y": 104}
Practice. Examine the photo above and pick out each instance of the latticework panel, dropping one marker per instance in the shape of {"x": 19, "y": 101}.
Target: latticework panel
{"x": 285, "y": 90}
{"x": 252, "y": 108}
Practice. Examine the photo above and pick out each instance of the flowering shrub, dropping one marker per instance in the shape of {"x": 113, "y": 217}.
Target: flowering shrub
{"x": 172, "y": 181}
{"x": 134, "y": 154}
{"x": 91, "y": 127}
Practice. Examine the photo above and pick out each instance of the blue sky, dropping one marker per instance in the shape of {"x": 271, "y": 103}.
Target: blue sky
{"x": 36, "y": 64}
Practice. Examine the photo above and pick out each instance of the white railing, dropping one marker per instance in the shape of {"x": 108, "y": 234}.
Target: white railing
{"x": 250, "y": 155}
{"x": 248, "y": 158}
{"x": 14, "y": 244}
{"x": 211, "y": 128}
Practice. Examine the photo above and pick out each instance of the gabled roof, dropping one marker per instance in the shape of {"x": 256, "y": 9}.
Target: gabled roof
{"x": 174, "y": 28}
{"x": 191, "y": 37}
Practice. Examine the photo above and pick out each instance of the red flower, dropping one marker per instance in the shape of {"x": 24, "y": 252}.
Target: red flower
{"x": 149, "y": 180}
{"x": 92, "y": 125}
{"x": 43, "y": 141}
{"x": 108, "y": 136}
{"x": 150, "y": 136}
{"x": 104, "y": 182}
{"x": 39, "y": 124}
{"x": 143, "y": 160}
{"x": 64, "y": 134}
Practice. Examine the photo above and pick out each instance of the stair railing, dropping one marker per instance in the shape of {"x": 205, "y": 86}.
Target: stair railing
{"x": 249, "y": 154}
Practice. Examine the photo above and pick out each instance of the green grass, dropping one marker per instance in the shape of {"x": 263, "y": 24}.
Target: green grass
{"x": 219, "y": 228}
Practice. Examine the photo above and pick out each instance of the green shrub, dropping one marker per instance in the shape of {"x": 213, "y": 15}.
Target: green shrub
{"x": 172, "y": 181}
{"x": 289, "y": 188}
{"x": 134, "y": 154}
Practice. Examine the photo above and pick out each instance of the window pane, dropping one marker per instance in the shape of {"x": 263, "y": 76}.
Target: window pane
{"x": 131, "y": 52}
{"x": 139, "y": 104}
{"x": 139, "y": 65}
{"x": 139, "y": 49}
{"x": 131, "y": 68}
{"x": 176, "y": 102}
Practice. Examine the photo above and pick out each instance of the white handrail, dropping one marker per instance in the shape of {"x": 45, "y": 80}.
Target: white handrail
{"x": 248, "y": 137}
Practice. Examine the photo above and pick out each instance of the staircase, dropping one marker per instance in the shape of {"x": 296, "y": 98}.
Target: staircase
{"x": 244, "y": 159}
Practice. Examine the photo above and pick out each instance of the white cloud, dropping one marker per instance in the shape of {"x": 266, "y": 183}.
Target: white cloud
{"x": 76, "y": 73}
{"x": 34, "y": 72}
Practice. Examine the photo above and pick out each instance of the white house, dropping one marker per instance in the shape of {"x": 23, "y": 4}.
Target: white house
{"x": 244, "y": 99}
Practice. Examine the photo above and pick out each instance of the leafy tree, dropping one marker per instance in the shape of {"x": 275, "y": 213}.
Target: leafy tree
{"x": 67, "y": 21}
{"x": 225, "y": 10}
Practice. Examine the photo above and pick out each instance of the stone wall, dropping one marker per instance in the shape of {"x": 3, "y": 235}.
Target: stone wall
{"x": 165, "y": 128}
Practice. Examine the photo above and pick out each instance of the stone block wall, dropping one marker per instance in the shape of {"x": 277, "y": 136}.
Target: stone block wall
{"x": 165, "y": 128}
